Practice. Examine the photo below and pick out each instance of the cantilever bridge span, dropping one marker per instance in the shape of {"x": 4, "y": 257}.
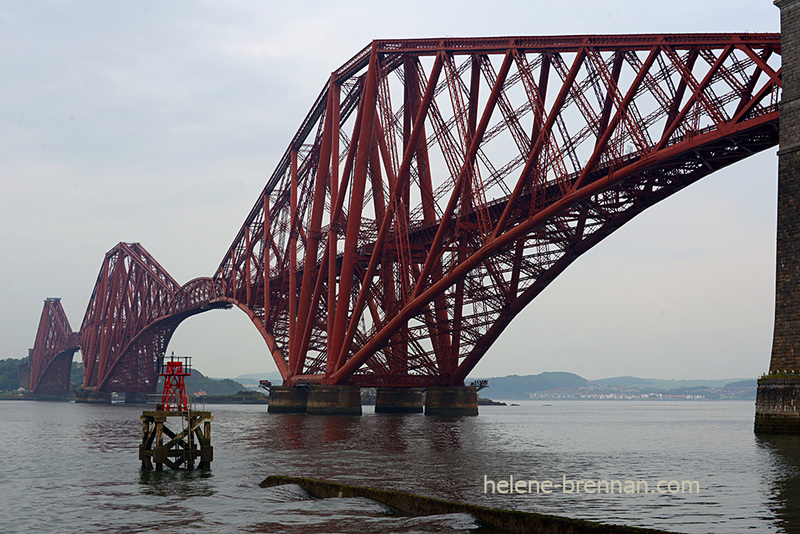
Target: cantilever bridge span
{"x": 435, "y": 188}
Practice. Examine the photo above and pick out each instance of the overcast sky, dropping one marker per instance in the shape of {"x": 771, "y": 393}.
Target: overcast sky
{"x": 159, "y": 122}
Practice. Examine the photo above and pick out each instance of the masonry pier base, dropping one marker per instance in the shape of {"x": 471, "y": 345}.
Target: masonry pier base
{"x": 778, "y": 405}
{"x": 135, "y": 398}
{"x": 283, "y": 399}
{"x": 451, "y": 401}
{"x": 778, "y": 397}
{"x": 398, "y": 400}
{"x": 334, "y": 400}
{"x": 92, "y": 397}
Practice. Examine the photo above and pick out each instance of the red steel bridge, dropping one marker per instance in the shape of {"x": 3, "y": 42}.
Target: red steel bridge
{"x": 435, "y": 188}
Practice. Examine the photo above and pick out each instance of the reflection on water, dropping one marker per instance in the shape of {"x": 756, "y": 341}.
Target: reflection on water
{"x": 77, "y": 467}
{"x": 339, "y": 429}
{"x": 394, "y": 434}
{"x": 783, "y": 482}
{"x": 445, "y": 433}
{"x": 176, "y": 483}
{"x": 290, "y": 425}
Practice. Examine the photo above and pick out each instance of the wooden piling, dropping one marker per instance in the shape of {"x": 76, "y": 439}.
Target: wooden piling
{"x": 191, "y": 444}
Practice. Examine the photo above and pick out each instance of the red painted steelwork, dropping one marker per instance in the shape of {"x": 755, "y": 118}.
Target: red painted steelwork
{"x": 134, "y": 310}
{"x": 174, "y": 371}
{"x": 436, "y": 187}
{"x": 55, "y": 345}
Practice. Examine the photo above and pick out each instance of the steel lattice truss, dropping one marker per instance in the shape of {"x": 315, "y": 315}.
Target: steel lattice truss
{"x": 55, "y": 345}
{"x": 132, "y": 291}
{"x": 134, "y": 310}
{"x": 438, "y": 186}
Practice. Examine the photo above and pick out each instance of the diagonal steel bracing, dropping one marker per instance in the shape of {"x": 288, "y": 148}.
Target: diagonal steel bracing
{"x": 436, "y": 187}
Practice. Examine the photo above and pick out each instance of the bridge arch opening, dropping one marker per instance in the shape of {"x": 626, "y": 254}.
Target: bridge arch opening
{"x": 688, "y": 284}
{"x": 225, "y": 344}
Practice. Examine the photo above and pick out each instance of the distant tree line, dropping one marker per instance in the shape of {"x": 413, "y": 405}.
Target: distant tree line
{"x": 9, "y": 375}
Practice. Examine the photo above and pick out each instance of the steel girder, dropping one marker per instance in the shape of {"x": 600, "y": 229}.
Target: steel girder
{"x": 131, "y": 292}
{"x": 55, "y": 345}
{"x": 134, "y": 310}
{"x": 437, "y": 186}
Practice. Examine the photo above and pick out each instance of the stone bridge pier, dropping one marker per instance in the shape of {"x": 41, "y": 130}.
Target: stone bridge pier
{"x": 778, "y": 400}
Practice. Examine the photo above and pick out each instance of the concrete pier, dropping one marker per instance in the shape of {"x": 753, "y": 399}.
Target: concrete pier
{"x": 451, "y": 401}
{"x": 779, "y": 391}
{"x": 778, "y": 405}
{"x": 92, "y": 397}
{"x": 136, "y": 398}
{"x": 287, "y": 399}
{"x": 398, "y": 400}
{"x": 334, "y": 400}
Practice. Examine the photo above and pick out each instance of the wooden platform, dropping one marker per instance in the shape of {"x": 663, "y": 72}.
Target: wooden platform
{"x": 183, "y": 448}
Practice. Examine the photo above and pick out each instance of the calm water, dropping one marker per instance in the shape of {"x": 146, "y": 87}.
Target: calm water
{"x": 71, "y": 467}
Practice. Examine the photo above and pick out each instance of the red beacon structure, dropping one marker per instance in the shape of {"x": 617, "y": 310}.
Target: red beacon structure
{"x": 179, "y": 449}
{"x": 174, "y": 370}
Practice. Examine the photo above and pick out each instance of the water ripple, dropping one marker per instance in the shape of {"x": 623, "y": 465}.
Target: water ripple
{"x": 71, "y": 467}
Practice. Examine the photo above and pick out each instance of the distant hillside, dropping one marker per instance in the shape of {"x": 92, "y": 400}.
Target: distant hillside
{"x": 624, "y": 381}
{"x": 520, "y": 387}
{"x": 570, "y": 385}
{"x": 197, "y": 382}
{"x": 750, "y": 383}
{"x": 671, "y": 385}
{"x": 251, "y": 379}
{"x": 656, "y": 383}
{"x": 9, "y": 379}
